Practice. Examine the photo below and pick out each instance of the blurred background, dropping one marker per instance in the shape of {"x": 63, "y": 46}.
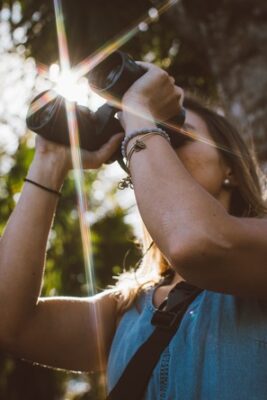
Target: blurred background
{"x": 217, "y": 49}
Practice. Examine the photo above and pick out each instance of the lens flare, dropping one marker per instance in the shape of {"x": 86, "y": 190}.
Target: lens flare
{"x": 81, "y": 70}
{"x": 42, "y": 70}
{"x": 65, "y": 81}
{"x": 174, "y": 127}
{"x": 67, "y": 86}
{"x": 119, "y": 40}
{"x": 42, "y": 101}
{"x": 78, "y": 175}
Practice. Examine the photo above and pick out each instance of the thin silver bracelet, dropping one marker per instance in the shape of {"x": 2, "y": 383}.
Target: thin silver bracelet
{"x": 144, "y": 131}
{"x": 137, "y": 146}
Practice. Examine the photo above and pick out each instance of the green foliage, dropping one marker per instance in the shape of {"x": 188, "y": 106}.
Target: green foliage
{"x": 10, "y": 185}
{"x": 113, "y": 245}
{"x": 65, "y": 272}
{"x": 87, "y": 31}
{"x": 112, "y": 239}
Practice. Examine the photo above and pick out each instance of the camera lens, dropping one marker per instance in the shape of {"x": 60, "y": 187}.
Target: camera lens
{"x": 106, "y": 73}
{"x": 41, "y": 116}
{"x": 113, "y": 76}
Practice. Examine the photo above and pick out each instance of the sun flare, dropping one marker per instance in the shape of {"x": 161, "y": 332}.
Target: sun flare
{"x": 73, "y": 87}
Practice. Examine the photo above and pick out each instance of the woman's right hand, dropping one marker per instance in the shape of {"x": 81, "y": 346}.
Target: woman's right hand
{"x": 52, "y": 161}
{"x": 153, "y": 94}
{"x": 51, "y": 151}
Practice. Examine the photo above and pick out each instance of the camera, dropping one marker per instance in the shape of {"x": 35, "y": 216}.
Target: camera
{"x": 114, "y": 76}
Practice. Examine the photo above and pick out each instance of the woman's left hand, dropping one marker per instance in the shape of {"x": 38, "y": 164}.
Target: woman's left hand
{"x": 154, "y": 94}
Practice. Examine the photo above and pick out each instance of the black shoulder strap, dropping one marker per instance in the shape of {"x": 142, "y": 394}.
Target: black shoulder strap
{"x": 133, "y": 381}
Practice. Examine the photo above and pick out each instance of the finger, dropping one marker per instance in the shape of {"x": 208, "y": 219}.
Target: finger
{"x": 147, "y": 66}
{"x": 120, "y": 118}
{"x": 106, "y": 151}
{"x": 154, "y": 68}
{"x": 180, "y": 94}
{"x": 97, "y": 158}
{"x": 119, "y": 115}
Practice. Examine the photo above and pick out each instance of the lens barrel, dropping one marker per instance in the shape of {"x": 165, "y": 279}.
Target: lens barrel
{"x": 113, "y": 76}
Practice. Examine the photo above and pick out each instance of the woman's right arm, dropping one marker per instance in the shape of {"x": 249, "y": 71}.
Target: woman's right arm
{"x": 60, "y": 332}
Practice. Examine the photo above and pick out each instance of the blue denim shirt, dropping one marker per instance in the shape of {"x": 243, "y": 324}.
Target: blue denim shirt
{"x": 218, "y": 353}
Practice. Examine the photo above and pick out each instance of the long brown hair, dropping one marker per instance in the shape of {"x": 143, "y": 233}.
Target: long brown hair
{"x": 247, "y": 200}
{"x": 247, "y": 196}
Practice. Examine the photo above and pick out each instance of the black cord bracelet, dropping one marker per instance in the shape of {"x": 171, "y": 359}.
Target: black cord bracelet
{"x": 43, "y": 187}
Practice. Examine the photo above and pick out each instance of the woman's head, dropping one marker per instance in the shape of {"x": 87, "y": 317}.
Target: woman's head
{"x": 199, "y": 154}
{"x": 230, "y": 173}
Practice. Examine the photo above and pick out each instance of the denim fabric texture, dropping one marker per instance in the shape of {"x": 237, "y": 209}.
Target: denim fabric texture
{"x": 218, "y": 353}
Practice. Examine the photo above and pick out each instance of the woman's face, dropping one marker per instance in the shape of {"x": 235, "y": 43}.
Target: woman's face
{"x": 203, "y": 161}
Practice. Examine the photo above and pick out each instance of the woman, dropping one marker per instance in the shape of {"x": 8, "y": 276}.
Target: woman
{"x": 201, "y": 207}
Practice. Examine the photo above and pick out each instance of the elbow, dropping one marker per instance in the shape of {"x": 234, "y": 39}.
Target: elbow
{"x": 188, "y": 255}
{"x": 194, "y": 257}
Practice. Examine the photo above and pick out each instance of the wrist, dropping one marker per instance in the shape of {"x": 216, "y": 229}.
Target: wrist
{"x": 133, "y": 122}
{"x": 136, "y": 115}
{"x": 143, "y": 133}
{"x": 48, "y": 171}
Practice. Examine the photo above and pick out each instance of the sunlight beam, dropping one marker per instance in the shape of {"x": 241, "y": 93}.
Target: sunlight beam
{"x": 119, "y": 40}
{"x": 78, "y": 177}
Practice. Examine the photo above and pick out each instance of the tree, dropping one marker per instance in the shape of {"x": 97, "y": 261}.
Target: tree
{"x": 222, "y": 46}
{"x": 65, "y": 273}
{"x": 230, "y": 37}
{"x": 216, "y": 48}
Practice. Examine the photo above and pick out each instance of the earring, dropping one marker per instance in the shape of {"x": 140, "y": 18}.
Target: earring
{"x": 227, "y": 183}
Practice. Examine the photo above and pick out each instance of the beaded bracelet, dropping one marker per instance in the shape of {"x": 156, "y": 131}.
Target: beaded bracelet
{"x": 137, "y": 146}
{"x": 140, "y": 145}
{"x": 144, "y": 131}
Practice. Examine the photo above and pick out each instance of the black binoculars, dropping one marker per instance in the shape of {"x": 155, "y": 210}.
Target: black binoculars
{"x": 114, "y": 76}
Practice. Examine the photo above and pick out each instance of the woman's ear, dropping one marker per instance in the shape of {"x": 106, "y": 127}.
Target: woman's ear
{"x": 229, "y": 180}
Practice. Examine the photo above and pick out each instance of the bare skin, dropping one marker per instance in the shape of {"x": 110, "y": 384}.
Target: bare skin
{"x": 184, "y": 205}
{"x": 189, "y": 222}
{"x": 60, "y": 332}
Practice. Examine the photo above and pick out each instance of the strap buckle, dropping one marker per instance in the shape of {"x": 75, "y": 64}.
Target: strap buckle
{"x": 164, "y": 319}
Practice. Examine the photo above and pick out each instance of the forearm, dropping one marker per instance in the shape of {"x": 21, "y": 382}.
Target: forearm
{"x": 179, "y": 214}
{"x": 23, "y": 244}
{"x": 184, "y": 196}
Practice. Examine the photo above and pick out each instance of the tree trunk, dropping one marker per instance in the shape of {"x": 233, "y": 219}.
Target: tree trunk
{"x": 232, "y": 38}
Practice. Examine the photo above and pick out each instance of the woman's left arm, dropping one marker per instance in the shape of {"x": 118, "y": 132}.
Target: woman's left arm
{"x": 207, "y": 246}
